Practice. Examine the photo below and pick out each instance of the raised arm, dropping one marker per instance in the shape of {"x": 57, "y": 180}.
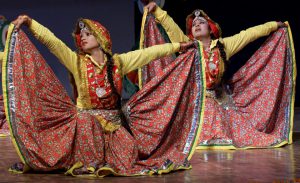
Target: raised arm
{"x": 135, "y": 59}
{"x": 237, "y": 42}
{"x": 66, "y": 56}
{"x": 173, "y": 30}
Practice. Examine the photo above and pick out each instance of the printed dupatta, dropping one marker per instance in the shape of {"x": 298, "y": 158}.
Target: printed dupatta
{"x": 165, "y": 116}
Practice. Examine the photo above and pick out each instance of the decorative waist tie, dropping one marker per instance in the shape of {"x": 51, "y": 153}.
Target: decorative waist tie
{"x": 110, "y": 120}
{"x": 222, "y": 95}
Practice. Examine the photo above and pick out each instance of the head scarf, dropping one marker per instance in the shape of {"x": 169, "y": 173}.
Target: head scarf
{"x": 215, "y": 28}
{"x": 98, "y": 30}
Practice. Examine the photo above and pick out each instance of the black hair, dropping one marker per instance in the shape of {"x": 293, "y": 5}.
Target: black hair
{"x": 226, "y": 74}
{"x": 223, "y": 54}
{"x": 221, "y": 48}
{"x": 110, "y": 78}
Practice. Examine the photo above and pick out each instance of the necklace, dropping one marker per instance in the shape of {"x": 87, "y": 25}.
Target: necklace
{"x": 100, "y": 91}
{"x": 95, "y": 72}
{"x": 210, "y": 59}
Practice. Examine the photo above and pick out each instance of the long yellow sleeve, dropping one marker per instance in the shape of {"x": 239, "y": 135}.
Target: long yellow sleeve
{"x": 237, "y": 42}
{"x": 135, "y": 59}
{"x": 173, "y": 30}
{"x": 66, "y": 56}
{"x": 1, "y": 56}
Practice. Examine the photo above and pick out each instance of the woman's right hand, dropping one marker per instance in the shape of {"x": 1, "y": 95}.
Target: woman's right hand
{"x": 22, "y": 20}
{"x": 185, "y": 45}
{"x": 151, "y": 7}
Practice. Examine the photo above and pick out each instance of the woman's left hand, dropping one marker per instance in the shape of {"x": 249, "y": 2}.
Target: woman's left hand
{"x": 281, "y": 24}
{"x": 151, "y": 7}
{"x": 21, "y": 20}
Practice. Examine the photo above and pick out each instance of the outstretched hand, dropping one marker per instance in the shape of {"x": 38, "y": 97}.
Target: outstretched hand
{"x": 281, "y": 24}
{"x": 21, "y": 20}
{"x": 185, "y": 45}
{"x": 151, "y": 7}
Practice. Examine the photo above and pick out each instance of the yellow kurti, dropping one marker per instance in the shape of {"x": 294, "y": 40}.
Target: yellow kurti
{"x": 1, "y": 58}
{"x": 75, "y": 63}
{"x": 232, "y": 44}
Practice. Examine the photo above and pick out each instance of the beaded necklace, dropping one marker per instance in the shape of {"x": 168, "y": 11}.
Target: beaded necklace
{"x": 210, "y": 59}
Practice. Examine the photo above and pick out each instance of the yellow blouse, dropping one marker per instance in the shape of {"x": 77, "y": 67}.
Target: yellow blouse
{"x": 232, "y": 44}
{"x": 1, "y": 58}
{"x": 75, "y": 63}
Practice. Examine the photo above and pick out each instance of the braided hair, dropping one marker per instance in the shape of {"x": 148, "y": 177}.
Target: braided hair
{"x": 226, "y": 74}
{"x": 110, "y": 78}
{"x": 223, "y": 54}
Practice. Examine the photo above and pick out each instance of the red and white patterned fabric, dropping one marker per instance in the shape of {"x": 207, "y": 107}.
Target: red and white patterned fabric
{"x": 50, "y": 133}
{"x": 258, "y": 110}
{"x": 256, "y": 107}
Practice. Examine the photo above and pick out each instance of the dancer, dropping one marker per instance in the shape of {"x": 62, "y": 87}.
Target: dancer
{"x": 89, "y": 138}
{"x": 255, "y": 107}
